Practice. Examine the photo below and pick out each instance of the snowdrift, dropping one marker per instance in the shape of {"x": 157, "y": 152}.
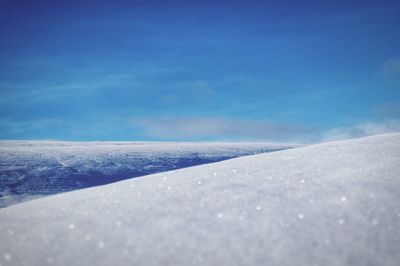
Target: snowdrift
{"x": 336, "y": 203}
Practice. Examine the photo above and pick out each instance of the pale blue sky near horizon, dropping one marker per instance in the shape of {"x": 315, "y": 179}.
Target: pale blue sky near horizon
{"x": 181, "y": 70}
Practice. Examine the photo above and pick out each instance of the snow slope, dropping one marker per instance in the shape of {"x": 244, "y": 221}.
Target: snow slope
{"x": 30, "y": 169}
{"x": 328, "y": 204}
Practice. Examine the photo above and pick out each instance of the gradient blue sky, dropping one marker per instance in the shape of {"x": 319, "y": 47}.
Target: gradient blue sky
{"x": 184, "y": 70}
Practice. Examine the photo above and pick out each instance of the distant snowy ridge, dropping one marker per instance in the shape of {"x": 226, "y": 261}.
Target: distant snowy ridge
{"x": 30, "y": 169}
{"x": 336, "y": 203}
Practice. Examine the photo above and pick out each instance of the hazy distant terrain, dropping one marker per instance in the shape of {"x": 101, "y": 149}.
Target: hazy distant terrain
{"x": 30, "y": 169}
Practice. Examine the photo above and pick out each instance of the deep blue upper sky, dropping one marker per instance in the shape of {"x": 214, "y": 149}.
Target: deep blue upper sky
{"x": 183, "y": 70}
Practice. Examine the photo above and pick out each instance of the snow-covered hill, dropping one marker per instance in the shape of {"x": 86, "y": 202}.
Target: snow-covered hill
{"x": 31, "y": 169}
{"x": 329, "y": 204}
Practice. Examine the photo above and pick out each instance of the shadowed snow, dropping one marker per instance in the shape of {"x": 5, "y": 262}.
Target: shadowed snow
{"x": 32, "y": 169}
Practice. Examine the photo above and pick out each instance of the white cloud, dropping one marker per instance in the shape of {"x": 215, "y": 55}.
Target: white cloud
{"x": 189, "y": 128}
{"x": 391, "y": 72}
{"x": 392, "y": 66}
{"x": 387, "y": 110}
{"x": 361, "y": 130}
{"x": 220, "y": 129}
{"x": 191, "y": 91}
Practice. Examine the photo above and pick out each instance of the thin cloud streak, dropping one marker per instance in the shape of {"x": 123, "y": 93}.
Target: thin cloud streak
{"x": 169, "y": 128}
{"x": 361, "y": 130}
{"x": 220, "y": 129}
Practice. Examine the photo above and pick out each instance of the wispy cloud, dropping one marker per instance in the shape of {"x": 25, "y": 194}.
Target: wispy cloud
{"x": 189, "y": 91}
{"x": 187, "y": 129}
{"x": 387, "y": 110}
{"x": 220, "y": 129}
{"x": 361, "y": 130}
{"x": 169, "y": 128}
{"x": 391, "y": 72}
{"x": 24, "y": 129}
{"x": 392, "y": 66}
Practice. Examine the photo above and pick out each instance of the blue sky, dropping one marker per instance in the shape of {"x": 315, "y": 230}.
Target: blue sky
{"x": 181, "y": 70}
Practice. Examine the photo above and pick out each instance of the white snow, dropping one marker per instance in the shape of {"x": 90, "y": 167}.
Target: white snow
{"x": 336, "y": 203}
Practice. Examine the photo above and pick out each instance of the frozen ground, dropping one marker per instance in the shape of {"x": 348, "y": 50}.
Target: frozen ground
{"x": 329, "y": 204}
{"x": 31, "y": 169}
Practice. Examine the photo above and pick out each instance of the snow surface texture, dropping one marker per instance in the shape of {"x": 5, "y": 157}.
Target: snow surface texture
{"x": 31, "y": 169}
{"x": 329, "y": 204}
